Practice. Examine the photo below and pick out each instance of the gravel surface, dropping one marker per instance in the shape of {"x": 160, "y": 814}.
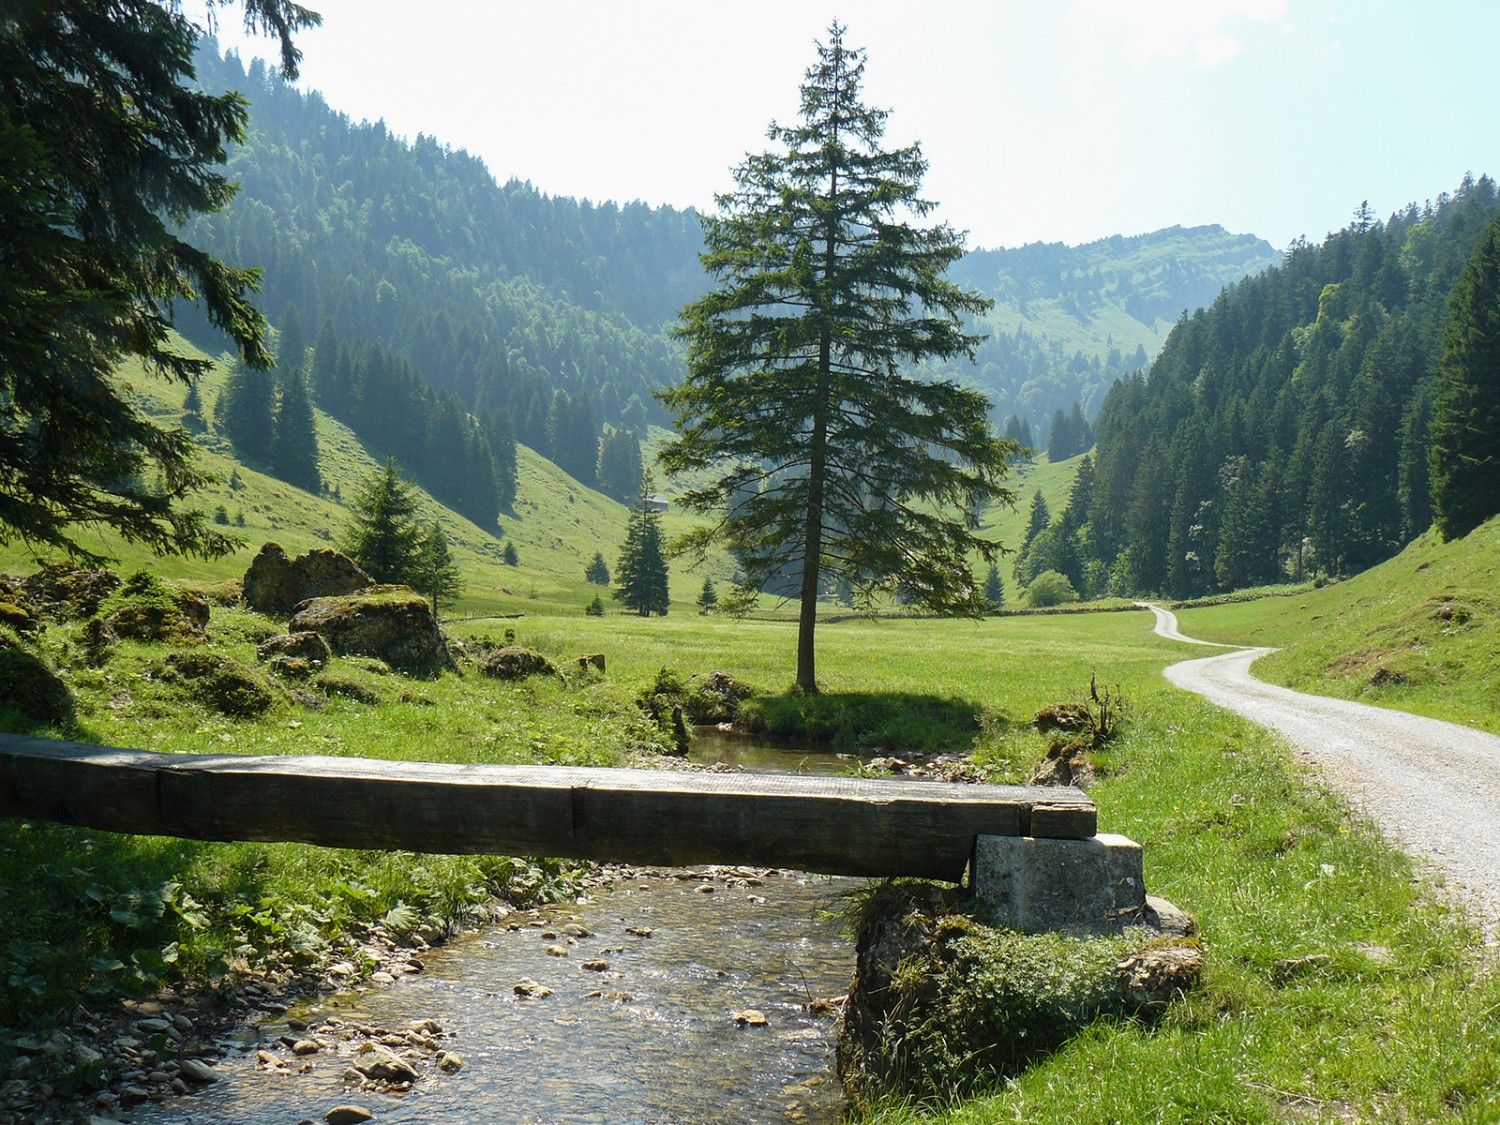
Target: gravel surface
{"x": 1433, "y": 787}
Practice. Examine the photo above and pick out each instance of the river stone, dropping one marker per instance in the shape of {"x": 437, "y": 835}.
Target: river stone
{"x": 597, "y": 965}
{"x": 529, "y": 989}
{"x": 449, "y": 1063}
{"x": 751, "y": 1017}
{"x": 347, "y": 1115}
{"x": 306, "y": 1047}
{"x": 274, "y": 584}
{"x": 195, "y": 1070}
{"x": 425, "y": 1027}
{"x": 376, "y": 1061}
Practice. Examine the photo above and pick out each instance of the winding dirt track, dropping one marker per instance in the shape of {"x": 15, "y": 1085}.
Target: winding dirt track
{"x": 1434, "y": 787}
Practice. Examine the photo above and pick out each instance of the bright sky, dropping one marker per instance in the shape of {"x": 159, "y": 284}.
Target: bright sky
{"x": 1042, "y": 120}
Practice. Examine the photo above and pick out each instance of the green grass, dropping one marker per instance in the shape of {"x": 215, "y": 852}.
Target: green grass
{"x": 1420, "y": 632}
{"x": 1232, "y": 830}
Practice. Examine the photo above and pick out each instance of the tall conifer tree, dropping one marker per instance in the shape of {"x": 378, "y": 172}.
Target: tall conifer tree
{"x": 294, "y": 453}
{"x": 831, "y": 459}
{"x": 1466, "y": 418}
{"x": 641, "y": 574}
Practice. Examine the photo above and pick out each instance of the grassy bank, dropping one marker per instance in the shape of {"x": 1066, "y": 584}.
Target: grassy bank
{"x": 1336, "y": 988}
{"x": 1420, "y": 632}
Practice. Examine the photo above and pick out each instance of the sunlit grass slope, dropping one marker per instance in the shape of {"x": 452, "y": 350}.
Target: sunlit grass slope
{"x": 1420, "y": 632}
{"x": 556, "y": 525}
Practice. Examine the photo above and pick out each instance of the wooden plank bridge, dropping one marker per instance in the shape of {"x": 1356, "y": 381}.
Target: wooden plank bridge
{"x": 838, "y": 826}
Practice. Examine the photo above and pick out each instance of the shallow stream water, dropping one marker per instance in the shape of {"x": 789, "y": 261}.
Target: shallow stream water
{"x": 651, "y": 1038}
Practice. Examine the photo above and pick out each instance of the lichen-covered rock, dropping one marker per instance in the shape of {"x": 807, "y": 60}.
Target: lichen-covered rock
{"x": 393, "y": 623}
{"x": 515, "y": 663}
{"x": 221, "y": 682}
{"x": 275, "y": 584}
{"x": 309, "y": 647}
{"x": 32, "y": 688}
{"x": 62, "y": 592}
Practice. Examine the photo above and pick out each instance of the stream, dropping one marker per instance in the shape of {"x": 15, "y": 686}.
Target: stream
{"x": 640, "y": 1024}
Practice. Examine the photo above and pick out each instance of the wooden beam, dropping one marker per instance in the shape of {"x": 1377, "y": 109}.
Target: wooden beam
{"x": 839, "y": 826}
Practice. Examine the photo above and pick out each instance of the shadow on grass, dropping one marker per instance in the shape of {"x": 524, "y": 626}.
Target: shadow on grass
{"x": 891, "y": 721}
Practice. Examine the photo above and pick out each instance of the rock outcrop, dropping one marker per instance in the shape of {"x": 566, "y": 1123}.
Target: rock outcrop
{"x": 275, "y": 584}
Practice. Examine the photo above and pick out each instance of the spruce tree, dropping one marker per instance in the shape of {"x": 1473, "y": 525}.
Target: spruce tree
{"x": 641, "y": 573}
{"x": 437, "y": 573}
{"x": 246, "y": 414}
{"x": 597, "y": 571}
{"x": 108, "y": 148}
{"x": 1465, "y": 458}
{"x": 382, "y": 533}
{"x": 994, "y": 589}
{"x": 708, "y": 597}
{"x": 822, "y": 455}
{"x": 294, "y": 451}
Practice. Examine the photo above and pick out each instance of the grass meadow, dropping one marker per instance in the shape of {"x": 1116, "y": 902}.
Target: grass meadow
{"x": 1340, "y": 985}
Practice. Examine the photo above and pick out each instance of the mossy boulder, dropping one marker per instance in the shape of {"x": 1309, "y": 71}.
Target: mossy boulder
{"x": 221, "y": 682}
{"x": 145, "y": 608}
{"x": 306, "y": 646}
{"x": 30, "y": 687}
{"x": 63, "y": 592}
{"x": 944, "y": 1006}
{"x": 17, "y": 617}
{"x": 276, "y": 584}
{"x": 392, "y": 623}
{"x": 515, "y": 663}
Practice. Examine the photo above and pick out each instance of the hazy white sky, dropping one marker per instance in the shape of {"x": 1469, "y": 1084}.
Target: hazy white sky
{"x": 1051, "y": 120}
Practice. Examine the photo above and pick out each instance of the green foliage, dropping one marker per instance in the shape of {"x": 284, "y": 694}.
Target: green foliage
{"x": 708, "y": 597}
{"x": 597, "y": 571}
{"x": 510, "y": 556}
{"x": 1465, "y": 457}
{"x": 382, "y": 534}
{"x": 641, "y": 573}
{"x": 494, "y": 294}
{"x": 437, "y": 572}
{"x": 994, "y": 588}
{"x": 827, "y": 461}
{"x": 1050, "y": 588}
{"x": 595, "y": 608}
{"x": 1285, "y": 429}
{"x": 620, "y": 465}
{"x": 107, "y": 147}
{"x": 294, "y": 451}
{"x": 245, "y": 412}
{"x": 976, "y": 1004}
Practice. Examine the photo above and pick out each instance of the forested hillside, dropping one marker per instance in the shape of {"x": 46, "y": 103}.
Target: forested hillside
{"x": 495, "y": 292}
{"x": 1070, "y": 320}
{"x": 1285, "y": 430}
{"x": 503, "y": 296}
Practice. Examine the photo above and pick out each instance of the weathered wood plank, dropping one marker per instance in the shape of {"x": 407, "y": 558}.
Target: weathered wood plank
{"x": 845, "y": 826}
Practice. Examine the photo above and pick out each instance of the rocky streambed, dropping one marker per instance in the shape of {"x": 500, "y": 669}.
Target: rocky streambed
{"x": 693, "y": 996}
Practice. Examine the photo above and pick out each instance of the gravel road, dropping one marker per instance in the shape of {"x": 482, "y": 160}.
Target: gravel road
{"x": 1433, "y": 787}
